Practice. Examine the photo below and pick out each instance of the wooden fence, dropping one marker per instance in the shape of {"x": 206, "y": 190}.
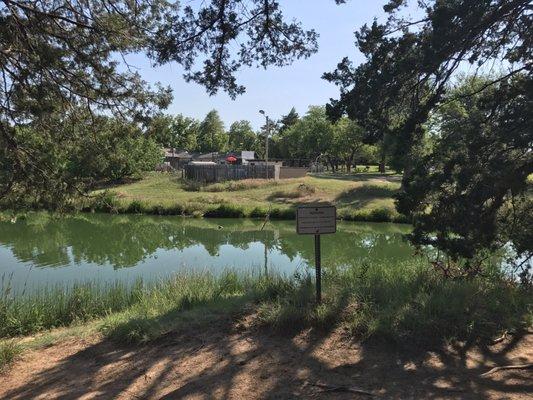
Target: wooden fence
{"x": 227, "y": 172}
{"x": 292, "y": 172}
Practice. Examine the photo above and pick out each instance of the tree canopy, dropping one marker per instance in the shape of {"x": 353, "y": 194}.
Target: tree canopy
{"x": 469, "y": 194}
{"x": 241, "y": 136}
{"x": 410, "y": 63}
{"x": 463, "y": 193}
{"x": 59, "y": 56}
{"x": 177, "y": 131}
{"x": 211, "y": 134}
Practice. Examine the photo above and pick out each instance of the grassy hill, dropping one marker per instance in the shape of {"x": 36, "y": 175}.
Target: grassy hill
{"x": 365, "y": 196}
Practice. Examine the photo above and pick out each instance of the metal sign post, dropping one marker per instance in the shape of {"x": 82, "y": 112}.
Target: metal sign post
{"x": 318, "y": 270}
{"x": 316, "y": 220}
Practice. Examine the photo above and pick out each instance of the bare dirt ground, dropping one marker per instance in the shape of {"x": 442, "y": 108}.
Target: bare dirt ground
{"x": 236, "y": 361}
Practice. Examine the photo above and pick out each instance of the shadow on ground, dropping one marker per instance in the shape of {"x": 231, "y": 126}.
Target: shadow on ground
{"x": 359, "y": 177}
{"x": 363, "y": 195}
{"x": 229, "y": 360}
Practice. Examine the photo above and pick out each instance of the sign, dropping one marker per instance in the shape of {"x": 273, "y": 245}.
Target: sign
{"x": 316, "y": 219}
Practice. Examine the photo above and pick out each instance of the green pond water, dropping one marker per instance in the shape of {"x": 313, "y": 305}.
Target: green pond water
{"x": 43, "y": 251}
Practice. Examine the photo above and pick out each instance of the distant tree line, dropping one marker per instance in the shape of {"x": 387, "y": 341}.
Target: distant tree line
{"x": 312, "y": 137}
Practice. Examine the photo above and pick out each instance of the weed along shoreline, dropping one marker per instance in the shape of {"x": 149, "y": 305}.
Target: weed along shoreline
{"x": 360, "y": 197}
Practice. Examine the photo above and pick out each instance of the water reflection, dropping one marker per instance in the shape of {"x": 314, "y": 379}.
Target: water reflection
{"x": 161, "y": 244}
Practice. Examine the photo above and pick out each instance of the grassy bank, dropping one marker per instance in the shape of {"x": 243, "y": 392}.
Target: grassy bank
{"x": 64, "y": 306}
{"x": 358, "y": 197}
{"x": 396, "y": 302}
{"x": 9, "y": 351}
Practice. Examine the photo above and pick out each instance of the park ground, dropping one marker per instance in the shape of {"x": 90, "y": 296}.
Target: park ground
{"x": 230, "y": 358}
{"x": 363, "y": 196}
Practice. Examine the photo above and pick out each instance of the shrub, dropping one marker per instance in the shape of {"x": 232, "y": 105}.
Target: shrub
{"x": 105, "y": 201}
{"x": 283, "y": 213}
{"x": 137, "y": 207}
{"x": 191, "y": 186}
{"x": 258, "y": 212}
{"x": 380, "y": 215}
{"x": 225, "y": 211}
{"x": 159, "y": 209}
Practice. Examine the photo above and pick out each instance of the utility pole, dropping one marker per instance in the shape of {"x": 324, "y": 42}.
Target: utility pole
{"x": 266, "y": 143}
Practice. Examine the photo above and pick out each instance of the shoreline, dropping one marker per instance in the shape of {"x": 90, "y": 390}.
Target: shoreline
{"x": 359, "y": 198}
{"x": 390, "y": 302}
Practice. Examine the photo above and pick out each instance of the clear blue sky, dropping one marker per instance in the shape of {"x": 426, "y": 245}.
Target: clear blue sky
{"x": 276, "y": 90}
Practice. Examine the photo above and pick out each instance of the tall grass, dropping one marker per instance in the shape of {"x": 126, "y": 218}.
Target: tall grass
{"x": 404, "y": 301}
{"x": 60, "y": 306}
{"x": 191, "y": 300}
{"x": 9, "y": 351}
{"x": 302, "y": 190}
{"x": 239, "y": 185}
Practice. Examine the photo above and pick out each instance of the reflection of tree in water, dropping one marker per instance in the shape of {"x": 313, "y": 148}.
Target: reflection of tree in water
{"x": 124, "y": 241}
{"x": 36, "y": 242}
{"x": 345, "y": 248}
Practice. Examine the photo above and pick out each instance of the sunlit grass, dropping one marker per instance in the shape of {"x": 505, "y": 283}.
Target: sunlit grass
{"x": 60, "y": 306}
{"x": 9, "y": 351}
{"x": 362, "y": 197}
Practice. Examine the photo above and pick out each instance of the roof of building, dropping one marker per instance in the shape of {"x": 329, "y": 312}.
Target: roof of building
{"x": 173, "y": 153}
{"x": 207, "y": 156}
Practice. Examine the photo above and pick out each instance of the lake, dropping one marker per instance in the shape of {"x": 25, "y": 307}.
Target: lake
{"x": 42, "y": 250}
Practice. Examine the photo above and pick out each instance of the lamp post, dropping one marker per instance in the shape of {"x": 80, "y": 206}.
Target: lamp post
{"x": 266, "y": 144}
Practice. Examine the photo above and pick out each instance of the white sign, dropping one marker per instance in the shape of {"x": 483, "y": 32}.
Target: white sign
{"x": 316, "y": 220}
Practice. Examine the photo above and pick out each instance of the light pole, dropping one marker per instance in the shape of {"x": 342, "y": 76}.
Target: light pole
{"x": 266, "y": 144}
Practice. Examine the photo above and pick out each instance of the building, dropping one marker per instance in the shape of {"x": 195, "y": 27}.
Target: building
{"x": 177, "y": 158}
{"x": 241, "y": 157}
{"x": 247, "y": 156}
{"x": 212, "y": 156}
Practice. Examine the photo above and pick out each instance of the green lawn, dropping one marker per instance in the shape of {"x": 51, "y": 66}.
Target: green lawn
{"x": 364, "y": 196}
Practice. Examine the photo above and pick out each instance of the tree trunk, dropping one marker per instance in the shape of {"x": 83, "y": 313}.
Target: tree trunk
{"x": 407, "y": 172}
{"x": 350, "y": 161}
{"x": 382, "y": 163}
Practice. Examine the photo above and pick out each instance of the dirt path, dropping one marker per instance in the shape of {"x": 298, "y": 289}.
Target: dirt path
{"x": 236, "y": 362}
